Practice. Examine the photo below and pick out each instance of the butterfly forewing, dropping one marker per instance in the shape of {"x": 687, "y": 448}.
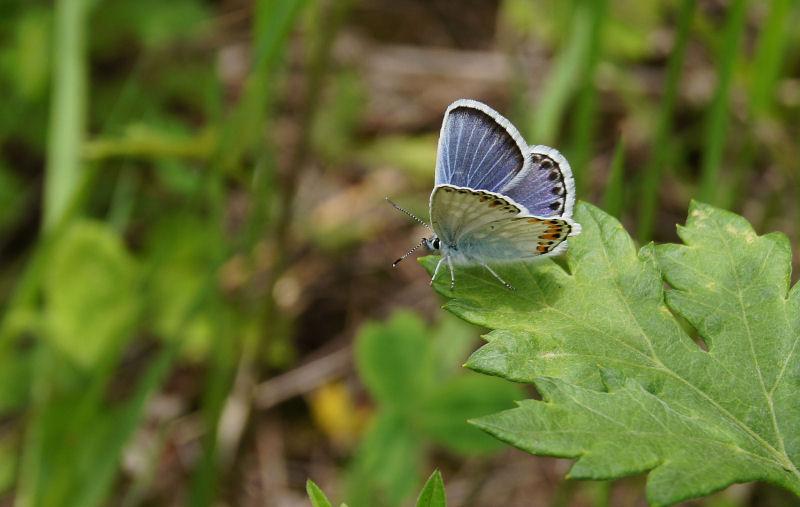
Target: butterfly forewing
{"x": 455, "y": 211}
{"x": 479, "y": 149}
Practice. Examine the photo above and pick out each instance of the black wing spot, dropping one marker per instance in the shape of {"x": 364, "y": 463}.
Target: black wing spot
{"x": 555, "y": 205}
{"x": 553, "y": 176}
{"x": 547, "y": 164}
{"x": 556, "y": 190}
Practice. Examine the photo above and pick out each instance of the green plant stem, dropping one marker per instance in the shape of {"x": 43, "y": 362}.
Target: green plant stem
{"x": 542, "y": 126}
{"x": 717, "y": 120}
{"x": 586, "y": 112}
{"x": 614, "y": 194}
{"x": 648, "y": 193}
{"x": 67, "y": 110}
{"x": 772, "y": 43}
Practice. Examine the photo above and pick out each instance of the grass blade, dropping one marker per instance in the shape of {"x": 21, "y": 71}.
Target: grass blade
{"x": 772, "y": 44}
{"x": 67, "y": 111}
{"x": 652, "y": 175}
{"x": 587, "y": 100}
{"x": 717, "y": 120}
{"x": 613, "y": 198}
{"x": 542, "y": 125}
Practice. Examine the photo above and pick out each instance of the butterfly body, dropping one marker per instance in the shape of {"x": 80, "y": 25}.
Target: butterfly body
{"x": 496, "y": 199}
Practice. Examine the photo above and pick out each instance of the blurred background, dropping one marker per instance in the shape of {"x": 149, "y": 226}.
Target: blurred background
{"x": 198, "y": 304}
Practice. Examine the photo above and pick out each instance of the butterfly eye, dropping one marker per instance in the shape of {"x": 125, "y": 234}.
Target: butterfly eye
{"x": 436, "y": 244}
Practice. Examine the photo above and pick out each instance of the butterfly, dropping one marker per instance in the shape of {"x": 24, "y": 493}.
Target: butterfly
{"x": 495, "y": 199}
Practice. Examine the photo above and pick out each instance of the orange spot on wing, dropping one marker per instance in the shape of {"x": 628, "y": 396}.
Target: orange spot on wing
{"x": 541, "y": 249}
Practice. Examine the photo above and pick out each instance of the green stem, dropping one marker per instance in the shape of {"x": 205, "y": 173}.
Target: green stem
{"x": 717, "y": 121}
{"x": 587, "y": 100}
{"x": 67, "y": 110}
{"x": 561, "y": 83}
{"x": 655, "y": 166}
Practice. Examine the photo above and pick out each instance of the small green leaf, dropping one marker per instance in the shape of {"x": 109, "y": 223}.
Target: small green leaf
{"x": 317, "y": 497}
{"x": 432, "y": 495}
{"x": 625, "y": 389}
{"x": 91, "y": 292}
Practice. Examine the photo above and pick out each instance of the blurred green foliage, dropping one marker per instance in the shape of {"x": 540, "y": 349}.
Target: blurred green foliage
{"x": 165, "y": 172}
{"x": 421, "y": 397}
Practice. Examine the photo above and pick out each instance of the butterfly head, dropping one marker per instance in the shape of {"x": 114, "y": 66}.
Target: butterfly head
{"x": 432, "y": 244}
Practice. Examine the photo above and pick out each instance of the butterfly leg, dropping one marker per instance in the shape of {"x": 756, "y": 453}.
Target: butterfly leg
{"x": 436, "y": 271}
{"x": 508, "y": 285}
{"x": 452, "y": 273}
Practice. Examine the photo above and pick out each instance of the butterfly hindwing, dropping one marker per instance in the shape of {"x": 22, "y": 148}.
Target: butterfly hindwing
{"x": 547, "y": 188}
{"x": 519, "y": 238}
{"x": 479, "y": 149}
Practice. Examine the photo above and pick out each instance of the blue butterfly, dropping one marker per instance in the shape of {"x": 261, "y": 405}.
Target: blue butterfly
{"x": 495, "y": 198}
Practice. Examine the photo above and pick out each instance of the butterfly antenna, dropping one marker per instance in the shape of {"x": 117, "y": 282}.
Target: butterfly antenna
{"x": 412, "y": 216}
{"x": 395, "y": 263}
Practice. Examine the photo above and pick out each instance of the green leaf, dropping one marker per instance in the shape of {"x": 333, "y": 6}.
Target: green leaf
{"x": 91, "y": 292}
{"x": 432, "y": 495}
{"x": 625, "y": 389}
{"x": 317, "y": 497}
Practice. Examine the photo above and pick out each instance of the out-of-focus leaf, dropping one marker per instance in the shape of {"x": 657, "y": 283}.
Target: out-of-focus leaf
{"x": 385, "y": 468}
{"x": 8, "y": 465}
{"x": 416, "y": 155}
{"x": 12, "y": 197}
{"x": 152, "y": 23}
{"x": 16, "y": 367}
{"x": 445, "y": 414}
{"x": 25, "y": 62}
{"x": 179, "y": 250}
{"x": 421, "y": 396}
{"x": 91, "y": 291}
{"x": 394, "y": 360}
{"x": 336, "y": 122}
{"x": 630, "y": 29}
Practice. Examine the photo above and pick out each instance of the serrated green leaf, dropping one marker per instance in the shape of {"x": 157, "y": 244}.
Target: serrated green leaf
{"x": 90, "y": 292}
{"x": 432, "y": 495}
{"x": 628, "y": 390}
{"x": 317, "y": 497}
